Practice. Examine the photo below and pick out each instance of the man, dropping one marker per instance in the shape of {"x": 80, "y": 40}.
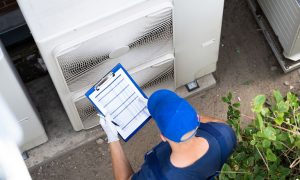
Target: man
{"x": 192, "y": 147}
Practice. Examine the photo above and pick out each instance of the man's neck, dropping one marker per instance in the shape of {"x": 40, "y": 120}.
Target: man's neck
{"x": 186, "y": 153}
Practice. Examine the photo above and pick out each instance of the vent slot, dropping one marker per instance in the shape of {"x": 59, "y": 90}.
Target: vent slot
{"x": 161, "y": 78}
{"x": 87, "y": 113}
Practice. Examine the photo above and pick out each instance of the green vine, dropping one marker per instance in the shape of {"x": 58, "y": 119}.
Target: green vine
{"x": 268, "y": 148}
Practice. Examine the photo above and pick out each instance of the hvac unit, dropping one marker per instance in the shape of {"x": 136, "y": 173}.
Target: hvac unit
{"x": 15, "y": 95}
{"x": 158, "y": 41}
{"x": 284, "y": 17}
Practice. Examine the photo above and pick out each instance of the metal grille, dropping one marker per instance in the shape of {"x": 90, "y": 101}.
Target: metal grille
{"x": 164, "y": 76}
{"x": 85, "y": 109}
{"x": 73, "y": 69}
{"x": 163, "y": 29}
{"x": 83, "y": 69}
{"x": 284, "y": 17}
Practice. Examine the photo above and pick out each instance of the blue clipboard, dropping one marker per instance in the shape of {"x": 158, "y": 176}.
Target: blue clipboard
{"x": 104, "y": 79}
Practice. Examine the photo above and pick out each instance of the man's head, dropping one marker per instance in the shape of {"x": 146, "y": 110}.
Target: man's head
{"x": 174, "y": 116}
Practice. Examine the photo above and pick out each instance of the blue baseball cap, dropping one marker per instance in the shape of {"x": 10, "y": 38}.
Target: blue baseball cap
{"x": 173, "y": 115}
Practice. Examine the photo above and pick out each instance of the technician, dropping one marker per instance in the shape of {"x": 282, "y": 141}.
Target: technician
{"x": 192, "y": 147}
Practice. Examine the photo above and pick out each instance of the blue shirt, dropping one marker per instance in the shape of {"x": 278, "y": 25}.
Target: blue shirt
{"x": 221, "y": 139}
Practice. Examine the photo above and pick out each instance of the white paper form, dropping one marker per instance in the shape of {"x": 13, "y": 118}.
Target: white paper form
{"x": 123, "y": 101}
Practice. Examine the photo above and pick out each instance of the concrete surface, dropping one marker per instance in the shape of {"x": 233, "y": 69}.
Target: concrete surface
{"x": 246, "y": 67}
{"x": 62, "y": 137}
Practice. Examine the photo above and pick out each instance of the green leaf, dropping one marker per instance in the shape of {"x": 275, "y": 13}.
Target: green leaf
{"x": 293, "y": 99}
{"x": 259, "y": 177}
{"x": 271, "y": 156}
{"x": 282, "y": 106}
{"x": 260, "y": 121}
{"x": 270, "y": 133}
{"x": 252, "y": 142}
{"x": 229, "y": 96}
{"x": 249, "y": 131}
{"x": 266, "y": 143}
{"x": 278, "y": 145}
{"x": 292, "y": 140}
{"x": 259, "y": 134}
{"x": 225, "y": 99}
{"x": 277, "y": 96}
{"x": 258, "y": 103}
{"x": 282, "y": 137}
{"x": 236, "y": 105}
{"x": 250, "y": 161}
{"x": 265, "y": 111}
{"x": 279, "y": 120}
{"x": 226, "y": 168}
{"x": 240, "y": 156}
{"x": 297, "y": 144}
{"x": 283, "y": 171}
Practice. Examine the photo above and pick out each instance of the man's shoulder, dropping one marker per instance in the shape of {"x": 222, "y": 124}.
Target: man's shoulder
{"x": 217, "y": 129}
{"x": 220, "y": 126}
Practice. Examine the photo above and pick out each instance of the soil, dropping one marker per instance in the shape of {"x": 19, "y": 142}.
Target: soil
{"x": 246, "y": 67}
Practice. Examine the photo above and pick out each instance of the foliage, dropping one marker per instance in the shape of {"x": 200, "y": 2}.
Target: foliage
{"x": 268, "y": 148}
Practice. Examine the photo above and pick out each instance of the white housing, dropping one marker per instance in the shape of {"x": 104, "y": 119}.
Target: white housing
{"x": 18, "y": 102}
{"x": 284, "y": 17}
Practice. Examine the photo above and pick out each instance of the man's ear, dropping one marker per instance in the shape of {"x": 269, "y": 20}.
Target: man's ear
{"x": 163, "y": 138}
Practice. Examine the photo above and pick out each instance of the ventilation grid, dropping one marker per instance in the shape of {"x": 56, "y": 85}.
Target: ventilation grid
{"x": 90, "y": 61}
{"x": 161, "y": 78}
{"x": 87, "y": 113}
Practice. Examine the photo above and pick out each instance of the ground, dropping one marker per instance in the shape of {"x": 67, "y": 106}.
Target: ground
{"x": 246, "y": 67}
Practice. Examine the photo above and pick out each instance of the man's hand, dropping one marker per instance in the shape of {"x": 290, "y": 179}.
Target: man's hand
{"x": 109, "y": 128}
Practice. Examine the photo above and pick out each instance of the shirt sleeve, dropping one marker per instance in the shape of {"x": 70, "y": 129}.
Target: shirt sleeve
{"x": 228, "y": 134}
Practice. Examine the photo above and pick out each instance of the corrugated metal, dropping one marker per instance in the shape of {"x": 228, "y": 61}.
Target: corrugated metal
{"x": 284, "y": 17}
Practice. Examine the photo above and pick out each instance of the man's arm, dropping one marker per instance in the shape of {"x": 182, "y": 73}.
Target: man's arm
{"x": 206, "y": 119}
{"x": 121, "y": 167}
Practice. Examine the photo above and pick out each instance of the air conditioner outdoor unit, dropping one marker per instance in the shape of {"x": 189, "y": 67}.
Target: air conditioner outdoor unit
{"x": 284, "y": 17}
{"x": 169, "y": 42}
{"x": 13, "y": 92}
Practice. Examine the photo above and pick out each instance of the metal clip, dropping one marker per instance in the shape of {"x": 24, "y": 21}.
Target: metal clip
{"x": 103, "y": 80}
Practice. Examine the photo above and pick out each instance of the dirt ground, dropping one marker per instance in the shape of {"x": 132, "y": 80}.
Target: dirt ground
{"x": 246, "y": 67}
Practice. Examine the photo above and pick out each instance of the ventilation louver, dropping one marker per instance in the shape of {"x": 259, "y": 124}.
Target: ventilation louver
{"x": 147, "y": 38}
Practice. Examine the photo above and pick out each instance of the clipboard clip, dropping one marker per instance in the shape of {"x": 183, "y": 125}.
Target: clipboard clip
{"x": 103, "y": 80}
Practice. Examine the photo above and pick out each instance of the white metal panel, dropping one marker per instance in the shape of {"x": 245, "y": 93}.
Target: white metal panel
{"x": 145, "y": 73}
{"x": 284, "y": 17}
{"x": 197, "y": 30}
{"x": 48, "y": 18}
{"x": 16, "y": 97}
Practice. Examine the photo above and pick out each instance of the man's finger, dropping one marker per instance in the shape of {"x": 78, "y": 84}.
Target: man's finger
{"x": 102, "y": 121}
{"x": 143, "y": 100}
